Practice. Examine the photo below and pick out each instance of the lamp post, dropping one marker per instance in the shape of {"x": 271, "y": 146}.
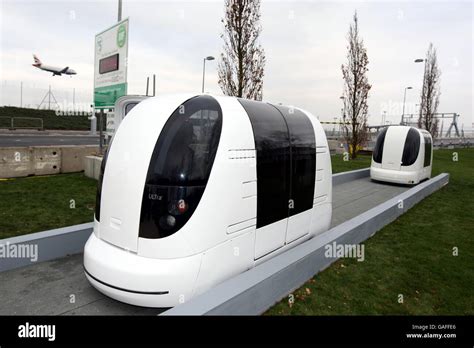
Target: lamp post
{"x": 342, "y": 113}
{"x": 419, "y": 60}
{"x": 204, "y": 70}
{"x": 404, "y": 99}
{"x": 119, "y": 15}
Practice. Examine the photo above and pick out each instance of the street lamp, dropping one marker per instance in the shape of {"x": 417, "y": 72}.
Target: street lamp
{"x": 204, "y": 69}
{"x": 342, "y": 109}
{"x": 419, "y": 60}
{"x": 342, "y": 113}
{"x": 404, "y": 99}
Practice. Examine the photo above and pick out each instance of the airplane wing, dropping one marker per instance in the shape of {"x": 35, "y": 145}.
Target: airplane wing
{"x": 64, "y": 70}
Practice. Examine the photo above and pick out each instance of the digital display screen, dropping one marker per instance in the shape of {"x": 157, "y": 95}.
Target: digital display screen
{"x": 109, "y": 64}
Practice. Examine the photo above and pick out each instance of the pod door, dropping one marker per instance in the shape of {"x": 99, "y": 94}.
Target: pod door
{"x": 302, "y": 172}
{"x": 428, "y": 151}
{"x": 392, "y": 148}
{"x": 272, "y": 143}
{"x": 286, "y": 170}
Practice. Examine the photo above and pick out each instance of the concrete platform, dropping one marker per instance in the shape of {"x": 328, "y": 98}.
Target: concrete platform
{"x": 355, "y": 197}
{"x": 46, "y": 288}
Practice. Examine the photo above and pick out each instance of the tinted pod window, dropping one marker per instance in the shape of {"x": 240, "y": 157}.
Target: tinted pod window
{"x": 378, "y": 149}
{"x": 129, "y": 107}
{"x": 302, "y": 157}
{"x": 180, "y": 167}
{"x": 428, "y": 146}
{"x": 98, "y": 194}
{"x": 273, "y": 161}
{"x": 411, "y": 148}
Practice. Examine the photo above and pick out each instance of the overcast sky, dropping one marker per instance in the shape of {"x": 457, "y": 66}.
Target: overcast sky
{"x": 304, "y": 41}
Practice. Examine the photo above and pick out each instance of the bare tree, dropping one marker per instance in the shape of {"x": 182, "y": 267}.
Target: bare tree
{"x": 356, "y": 90}
{"x": 241, "y": 67}
{"x": 430, "y": 93}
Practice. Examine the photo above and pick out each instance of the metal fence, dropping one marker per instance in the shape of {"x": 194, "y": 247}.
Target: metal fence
{"x": 13, "y": 123}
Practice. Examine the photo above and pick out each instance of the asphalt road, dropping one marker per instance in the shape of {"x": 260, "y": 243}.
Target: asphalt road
{"x": 10, "y": 140}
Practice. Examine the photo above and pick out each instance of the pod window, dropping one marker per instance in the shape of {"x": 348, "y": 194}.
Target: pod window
{"x": 411, "y": 148}
{"x": 378, "y": 149}
{"x": 129, "y": 107}
{"x": 180, "y": 167}
{"x": 286, "y": 160}
{"x": 428, "y": 149}
{"x": 98, "y": 194}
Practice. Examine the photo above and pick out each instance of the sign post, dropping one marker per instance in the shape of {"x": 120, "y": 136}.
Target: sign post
{"x": 101, "y": 136}
{"x": 110, "y": 65}
{"x": 110, "y": 68}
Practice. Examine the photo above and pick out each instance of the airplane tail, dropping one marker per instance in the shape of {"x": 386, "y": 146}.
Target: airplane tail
{"x": 37, "y": 61}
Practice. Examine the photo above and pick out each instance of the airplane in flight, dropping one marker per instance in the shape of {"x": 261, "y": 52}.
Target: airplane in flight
{"x": 55, "y": 70}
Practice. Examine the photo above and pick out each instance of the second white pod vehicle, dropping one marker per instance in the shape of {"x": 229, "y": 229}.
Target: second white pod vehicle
{"x": 196, "y": 189}
{"x": 403, "y": 155}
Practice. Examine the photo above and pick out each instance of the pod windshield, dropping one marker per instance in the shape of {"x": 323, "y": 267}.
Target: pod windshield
{"x": 411, "y": 148}
{"x": 378, "y": 149}
{"x": 180, "y": 167}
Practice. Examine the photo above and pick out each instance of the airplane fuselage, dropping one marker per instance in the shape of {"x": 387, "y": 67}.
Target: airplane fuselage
{"x": 55, "y": 70}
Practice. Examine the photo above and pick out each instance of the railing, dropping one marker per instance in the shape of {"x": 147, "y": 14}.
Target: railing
{"x": 5, "y": 120}
{"x": 21, "y": 123}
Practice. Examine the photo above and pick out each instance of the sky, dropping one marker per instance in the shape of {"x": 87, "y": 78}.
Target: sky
{"x": 305, "y": 43}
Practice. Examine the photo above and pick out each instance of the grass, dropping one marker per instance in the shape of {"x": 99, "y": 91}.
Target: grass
{"x": 412, "y": 257}
{"x": 339, "y": 165}
{"x": 39, "y": 203}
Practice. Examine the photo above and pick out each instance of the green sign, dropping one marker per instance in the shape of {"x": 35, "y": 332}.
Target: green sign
{"x": 110, "y": 65}
{"x": 105, "y": 97}
{"x": 121, "y": 35}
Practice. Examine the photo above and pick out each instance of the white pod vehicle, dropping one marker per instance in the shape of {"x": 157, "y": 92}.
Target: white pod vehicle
{"x": 197, "y": 189}
{"x": 403, "y": 155}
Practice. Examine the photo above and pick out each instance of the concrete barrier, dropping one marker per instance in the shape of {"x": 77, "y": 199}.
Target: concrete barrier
{"x": 49, "y": 245}
{"x": 43, "y": 160}
{"x": 341, "y": 178}
{"x": 46, "y": 160}
{"x": 72, "y": 157}
{"x": 92, "y": 166}
{"x": 254, "y": 291}
{"x": 15, "y": 161}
